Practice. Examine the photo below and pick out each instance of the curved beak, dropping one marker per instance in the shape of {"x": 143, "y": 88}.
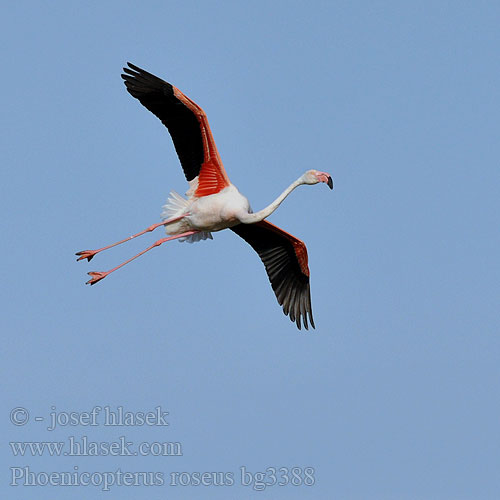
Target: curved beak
{"x": 325, "y": 177}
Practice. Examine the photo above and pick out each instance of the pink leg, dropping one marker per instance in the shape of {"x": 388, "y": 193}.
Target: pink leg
{"x": 89, "y": 254}
{"x": 99, "y": 275}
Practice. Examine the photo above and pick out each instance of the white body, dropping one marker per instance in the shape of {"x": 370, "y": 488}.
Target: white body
{"x": 227, "y": 208}
{"x": 207, "y": 214}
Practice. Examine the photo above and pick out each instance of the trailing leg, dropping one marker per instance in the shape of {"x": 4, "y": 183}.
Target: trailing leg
{"x": 89, "y": 254}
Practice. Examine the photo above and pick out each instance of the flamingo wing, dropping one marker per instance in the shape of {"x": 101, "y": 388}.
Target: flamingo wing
{"x": 188, "y": 126}
{"x": 285, "y": 260}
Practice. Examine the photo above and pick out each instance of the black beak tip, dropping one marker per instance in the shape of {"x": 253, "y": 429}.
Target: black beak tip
{"x": 330, "y": 182}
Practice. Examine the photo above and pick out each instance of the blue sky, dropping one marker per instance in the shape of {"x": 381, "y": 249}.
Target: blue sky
{"x": 396, "y": 394}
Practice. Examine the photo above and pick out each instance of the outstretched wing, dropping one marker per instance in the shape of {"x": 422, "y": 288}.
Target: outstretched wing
{"x": 187, "y": 125}
{"x": 285, "y": 259}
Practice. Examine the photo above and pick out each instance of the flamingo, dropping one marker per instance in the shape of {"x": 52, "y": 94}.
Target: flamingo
{"x": 213, "y": 203}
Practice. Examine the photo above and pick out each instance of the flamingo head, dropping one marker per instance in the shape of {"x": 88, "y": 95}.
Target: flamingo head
{"x": 315, "y": 176}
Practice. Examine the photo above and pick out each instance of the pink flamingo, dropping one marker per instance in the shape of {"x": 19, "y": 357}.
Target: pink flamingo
{"x": 213, "y": 203}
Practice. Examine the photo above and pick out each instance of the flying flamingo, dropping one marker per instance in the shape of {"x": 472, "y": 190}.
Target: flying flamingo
{"x": 213, "y": 203}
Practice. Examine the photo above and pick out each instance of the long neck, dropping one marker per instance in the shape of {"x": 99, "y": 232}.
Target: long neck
{"x": 266, "y": 212}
